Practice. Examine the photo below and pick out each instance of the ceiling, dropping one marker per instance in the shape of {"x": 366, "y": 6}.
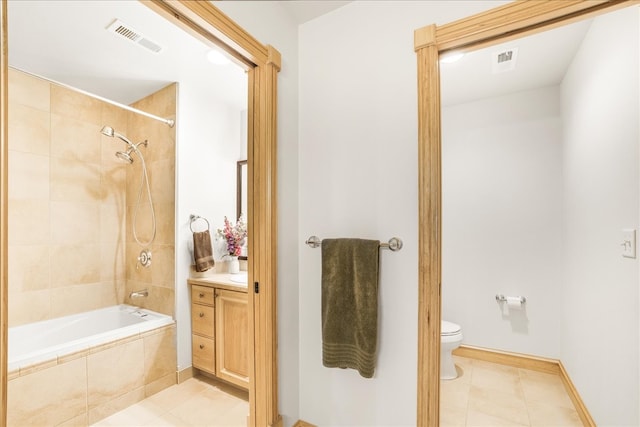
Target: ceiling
{"x": 542, "y": 60}
{"x": 303, "y": 11}
{"x": 46, "y": 38}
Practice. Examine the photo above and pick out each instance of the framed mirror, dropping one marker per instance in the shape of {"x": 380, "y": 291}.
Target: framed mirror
{"x": 241, "y": 193}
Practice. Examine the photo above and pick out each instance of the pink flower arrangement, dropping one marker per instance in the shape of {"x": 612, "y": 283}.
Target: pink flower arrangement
{"x": 234, "y": 235}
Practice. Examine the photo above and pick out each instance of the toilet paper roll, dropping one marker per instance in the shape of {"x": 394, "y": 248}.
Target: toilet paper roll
{"x": 514, "y": 303}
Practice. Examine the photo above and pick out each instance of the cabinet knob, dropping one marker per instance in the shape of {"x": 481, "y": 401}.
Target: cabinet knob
{"x": 201, "y": 314}
{"x": 201, "y": 346}
{"x": 201, "y": 294}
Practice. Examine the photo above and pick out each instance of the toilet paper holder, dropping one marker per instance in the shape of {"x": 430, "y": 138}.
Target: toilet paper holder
{"x": 503, "y": 298}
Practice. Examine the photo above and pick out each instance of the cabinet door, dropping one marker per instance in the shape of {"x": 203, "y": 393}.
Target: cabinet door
{"x": 232, "y": 325}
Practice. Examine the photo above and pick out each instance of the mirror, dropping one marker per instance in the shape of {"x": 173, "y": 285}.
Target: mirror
{"x": 578, "y": 322}
{"x": 241, "y": 193}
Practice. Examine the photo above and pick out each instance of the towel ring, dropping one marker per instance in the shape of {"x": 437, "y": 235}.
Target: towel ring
{"x": 194, "y": 218}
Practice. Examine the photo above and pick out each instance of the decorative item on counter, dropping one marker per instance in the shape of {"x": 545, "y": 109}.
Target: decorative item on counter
{"x": 234, "y": 236}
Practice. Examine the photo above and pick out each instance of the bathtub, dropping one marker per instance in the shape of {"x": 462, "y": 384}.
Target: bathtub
{"x": 48, "y": 339}
{"x": 84, "y": 367}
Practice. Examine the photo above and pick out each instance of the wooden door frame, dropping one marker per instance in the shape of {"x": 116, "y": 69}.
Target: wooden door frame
{"x": 517, "y": 19}
{"x": 262, "y": 63}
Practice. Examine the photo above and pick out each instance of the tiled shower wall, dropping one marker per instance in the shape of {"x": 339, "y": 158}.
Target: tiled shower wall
{"x": 160, "y": 161}
{"x": 68, "y": 206}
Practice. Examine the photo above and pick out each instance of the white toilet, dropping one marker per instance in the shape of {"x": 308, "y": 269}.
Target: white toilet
{"x": 450, "y": 339}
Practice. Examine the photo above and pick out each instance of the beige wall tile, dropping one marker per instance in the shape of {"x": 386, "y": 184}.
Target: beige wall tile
{"x": 160, "y": 356}
{"x": 27, "y": 307}
{"x": 112, "y": 262}
{"x": 74, "y": 222}
{"x": 29, "y": 129}
{"x": 28, "y": 268}
{"x": 165, "y": 217}
{"x": 74, "y": 139}
{"x": 162, "y": 179}
{"x": 75, "y": 264}
{"x": 160, "y": 384}
{"x": 161, "y": 103}
{"x": 28, "y": 222}
{"x": 160, "y": 138}
{"x": 35, "y": 399}
{"x": 160, "y": 299}
{"x": 114, "y": 184}
{"x": 79, "y": 421}
{"x": 163, "y": 267}
{"x": 29, "y": 176}
{"x": 141, "y": 218}
{"x": 28, "y": 90}
{"x": 79, "y": 298}
{"x": 69, "y": 103}
{"x": 75, "y": 180}
{"x": 115, "y": 405}
{"x": 112, "y": 223}
{"x": 107, "y": 379}
{"x": 114, "y": 116}
{"x": 136, "y": 272}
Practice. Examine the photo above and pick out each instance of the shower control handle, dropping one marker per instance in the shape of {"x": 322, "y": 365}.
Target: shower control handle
{"x": 144, "y": 259}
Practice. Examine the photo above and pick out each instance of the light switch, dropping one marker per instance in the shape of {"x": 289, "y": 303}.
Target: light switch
{"x": 628, "y": 243}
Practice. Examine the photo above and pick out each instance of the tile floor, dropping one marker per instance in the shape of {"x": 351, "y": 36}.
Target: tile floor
{"x": 489, "y": 394}
{"x": 198, "y": 401}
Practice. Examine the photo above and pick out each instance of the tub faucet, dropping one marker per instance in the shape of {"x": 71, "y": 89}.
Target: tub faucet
{"x": 139, "y": 294}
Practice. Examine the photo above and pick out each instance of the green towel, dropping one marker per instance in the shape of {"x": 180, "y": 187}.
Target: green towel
{"x": 350, "y": 304}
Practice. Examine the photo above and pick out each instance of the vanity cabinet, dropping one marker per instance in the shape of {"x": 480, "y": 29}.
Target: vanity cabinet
{"x": 220, "y": 325}
{"x": 203, "y": 328}
{"x": 232, "y": 326}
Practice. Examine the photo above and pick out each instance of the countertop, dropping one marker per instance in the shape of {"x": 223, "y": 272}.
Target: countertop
{"x": 219, "y": 280}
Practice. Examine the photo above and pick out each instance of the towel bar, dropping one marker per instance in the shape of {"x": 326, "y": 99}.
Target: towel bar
{"x": 193, "y": 218}
{"x": 394, "y": 244}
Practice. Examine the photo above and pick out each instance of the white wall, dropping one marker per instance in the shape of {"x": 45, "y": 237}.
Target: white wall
{"x": 601, "y": 183}
{"x": 209, "y": 144}
{"x": 358, "y": 177}
{"x": 271, "y": 24}
{"x": 502, "y": 200}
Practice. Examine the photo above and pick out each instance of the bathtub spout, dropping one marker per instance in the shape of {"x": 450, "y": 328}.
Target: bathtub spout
{"x": 139, "y": 294}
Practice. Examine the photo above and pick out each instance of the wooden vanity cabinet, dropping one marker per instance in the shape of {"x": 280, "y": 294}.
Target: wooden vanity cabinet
{"x": 232, "y": 346}
{"x": 219, "y": 323}
{"x": 203, "y": 328}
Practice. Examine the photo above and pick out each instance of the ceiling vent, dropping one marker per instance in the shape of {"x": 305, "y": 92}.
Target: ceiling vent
{"x": 504, "y": 60}
{"x": 123, "y": 30}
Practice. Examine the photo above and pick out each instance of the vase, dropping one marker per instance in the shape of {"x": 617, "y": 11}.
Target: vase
{"x": 233, "y": 264}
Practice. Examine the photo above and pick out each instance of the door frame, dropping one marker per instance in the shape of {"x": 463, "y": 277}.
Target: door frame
{"x": 513, "y": 20}
{"x": 262, "y": 63}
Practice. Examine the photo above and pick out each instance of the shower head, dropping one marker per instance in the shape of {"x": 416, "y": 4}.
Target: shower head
{"x": 126, "y": 157}
{"x": 110, "y": 132}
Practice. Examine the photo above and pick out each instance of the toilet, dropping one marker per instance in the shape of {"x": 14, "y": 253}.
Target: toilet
{"x": 450, "y": 339}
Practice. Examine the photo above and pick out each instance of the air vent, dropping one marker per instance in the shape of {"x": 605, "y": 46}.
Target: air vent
{"x": 123, "y": 30}
{"x": 504, "y": 60}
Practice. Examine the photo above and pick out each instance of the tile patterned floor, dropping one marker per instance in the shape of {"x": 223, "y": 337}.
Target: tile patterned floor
{"x": 196, "y": 402}
{"x": 489, "y": 394}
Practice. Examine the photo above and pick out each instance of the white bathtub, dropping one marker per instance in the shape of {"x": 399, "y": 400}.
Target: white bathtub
{"x": 49, "y": 339}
